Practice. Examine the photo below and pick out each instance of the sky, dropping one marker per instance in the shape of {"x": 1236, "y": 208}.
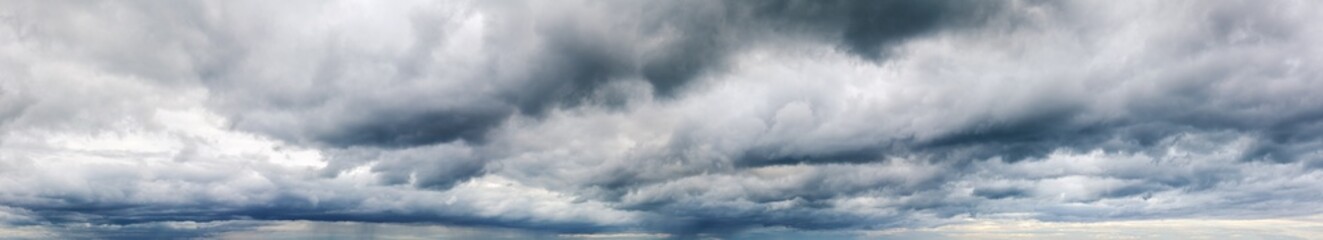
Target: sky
{"x": 685, "y": 119}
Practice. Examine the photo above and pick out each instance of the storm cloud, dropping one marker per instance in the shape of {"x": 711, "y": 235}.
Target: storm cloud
{"x": 213, "y": 119}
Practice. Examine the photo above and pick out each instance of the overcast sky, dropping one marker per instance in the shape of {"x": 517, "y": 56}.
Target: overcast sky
{"x": 752, "y": 119}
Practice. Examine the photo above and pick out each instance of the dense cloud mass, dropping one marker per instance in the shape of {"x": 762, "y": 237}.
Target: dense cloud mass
{"x": 652, "y": 118}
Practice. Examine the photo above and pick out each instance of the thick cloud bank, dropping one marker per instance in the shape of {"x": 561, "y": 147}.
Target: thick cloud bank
{"x": 678, "y": 118}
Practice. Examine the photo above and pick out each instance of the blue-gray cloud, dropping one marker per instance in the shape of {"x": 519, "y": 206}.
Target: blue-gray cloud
{"x": 693, "y": 118}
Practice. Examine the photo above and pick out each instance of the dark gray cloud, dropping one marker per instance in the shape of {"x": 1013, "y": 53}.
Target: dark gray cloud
{"x": 548, "y": 57}
{"x": 692, "y": 118}
{"x": 869, "y": 28}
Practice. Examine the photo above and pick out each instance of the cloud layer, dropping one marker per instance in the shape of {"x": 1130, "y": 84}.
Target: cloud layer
{"x": 687, "y": 118}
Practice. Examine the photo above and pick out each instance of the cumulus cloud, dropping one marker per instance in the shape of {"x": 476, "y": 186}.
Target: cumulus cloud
{"x": 681, "y": 118}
